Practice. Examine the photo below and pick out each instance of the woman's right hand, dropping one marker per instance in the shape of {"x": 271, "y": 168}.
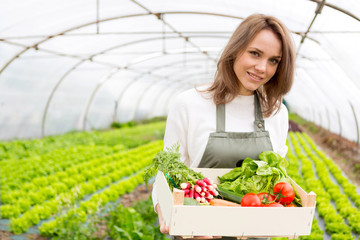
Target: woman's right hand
{"x": 165, "y": 229}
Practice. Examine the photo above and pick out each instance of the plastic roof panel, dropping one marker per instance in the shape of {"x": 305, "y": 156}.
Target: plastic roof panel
{"x": 66, "y": 65}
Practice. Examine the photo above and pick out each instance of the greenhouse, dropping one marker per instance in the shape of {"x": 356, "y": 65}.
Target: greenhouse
{"x": 86, "y": 88}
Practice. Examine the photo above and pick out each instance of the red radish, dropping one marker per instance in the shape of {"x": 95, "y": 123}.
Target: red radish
{"x": 191, "y": 193}
{"x": 208, "y": 181}
{"x": 202, "y": 194}
{"x": 208, "y": 195}
{"x": 203, "y": 200}
{"x": 201, "y": 183}
{"x": 186, "y": 195}
{"x": 214, "y": 193}
{"x": 186, "y": 191}
{"x": 197, "y": 188}
{"x": 197, "y": 196}
{"x": 185, "y": 185}
{"x": 204, "y": 189}
{"x": 210, "y": 187}
{"x": 214, "y": 185}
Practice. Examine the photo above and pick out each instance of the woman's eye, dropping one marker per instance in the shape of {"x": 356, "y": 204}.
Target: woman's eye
{"x": 254, "y": 53}
{"x": 274, "y": 61}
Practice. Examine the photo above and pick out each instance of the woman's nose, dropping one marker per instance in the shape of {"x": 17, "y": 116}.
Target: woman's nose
{"x": 261, "y": 66}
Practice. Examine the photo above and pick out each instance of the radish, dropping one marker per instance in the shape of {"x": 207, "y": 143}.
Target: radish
{"x": 210, "y": 188}
{"x": 201, "y": 183}
{"x": 202, "y": 194}
{"x": 186, "y": 191}
{"x": 197, "y": 188}
{"x": 208, "y": 181}
{"x": 204, "y": 189}
{"x": 208, "y": 195}
{"x": 214, "y": 193}
{"x": 185, "y": 185}
{"x": 191, "y": 193}
{"x": 197, "y": 196}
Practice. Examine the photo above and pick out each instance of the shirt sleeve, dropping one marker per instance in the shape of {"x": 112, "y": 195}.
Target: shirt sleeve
{"x": 283, "y": 148}
{"x": 175, "y": 132}
{"x": 177, "y": 127}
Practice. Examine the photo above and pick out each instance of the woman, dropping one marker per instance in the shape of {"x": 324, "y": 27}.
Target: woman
{"x": 241, "y": 113}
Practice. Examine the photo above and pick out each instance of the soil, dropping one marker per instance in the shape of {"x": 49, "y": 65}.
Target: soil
{"x": 5, "y": 235}
{"x": 345, "y": 153}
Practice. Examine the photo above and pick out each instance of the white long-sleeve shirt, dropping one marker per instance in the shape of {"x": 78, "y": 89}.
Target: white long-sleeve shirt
{"x": 192, "y": 117}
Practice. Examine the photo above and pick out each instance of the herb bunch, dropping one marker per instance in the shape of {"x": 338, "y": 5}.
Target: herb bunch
{"x": 168, "y": 161}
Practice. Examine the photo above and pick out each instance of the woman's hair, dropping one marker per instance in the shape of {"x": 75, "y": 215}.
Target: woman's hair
{"x": 226, "y": 85}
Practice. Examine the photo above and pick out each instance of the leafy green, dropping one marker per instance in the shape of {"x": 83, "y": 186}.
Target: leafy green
{"x": 134, "y": 223}
{"x": 256, "y": 176}
{"x": 168, "y": 161}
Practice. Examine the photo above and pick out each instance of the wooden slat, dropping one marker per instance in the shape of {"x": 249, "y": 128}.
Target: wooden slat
{"x": 178, "y": 197}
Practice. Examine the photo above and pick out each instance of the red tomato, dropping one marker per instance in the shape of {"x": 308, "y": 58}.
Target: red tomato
{"x": 284, "y": 192}
{"x": 266, "y": 198}
{"x": 290, "y": 205}
{"x": 250, "y": 200}
{"x": 274, "y": 204}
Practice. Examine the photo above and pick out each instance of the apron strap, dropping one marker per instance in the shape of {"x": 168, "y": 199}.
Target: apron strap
{"x": 259, "y": 123}
{"x": 220, "y": 118}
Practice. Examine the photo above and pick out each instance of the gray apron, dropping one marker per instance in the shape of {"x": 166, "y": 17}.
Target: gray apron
{"x": 228, "y": 149}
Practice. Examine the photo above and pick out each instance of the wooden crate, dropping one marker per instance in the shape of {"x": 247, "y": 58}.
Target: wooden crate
{"x": 241, "y": 222}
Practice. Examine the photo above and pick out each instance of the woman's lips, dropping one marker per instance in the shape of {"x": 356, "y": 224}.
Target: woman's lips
{"x": 255, "y": 77}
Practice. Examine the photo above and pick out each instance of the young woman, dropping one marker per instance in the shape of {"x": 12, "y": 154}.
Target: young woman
{"x": 241, "y": 113}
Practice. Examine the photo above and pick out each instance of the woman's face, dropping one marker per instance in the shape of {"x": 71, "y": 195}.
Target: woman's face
{"x": 258, "y": 63}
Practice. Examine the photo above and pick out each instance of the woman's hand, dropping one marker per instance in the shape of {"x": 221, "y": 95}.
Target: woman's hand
{"x": 165, "y": 229}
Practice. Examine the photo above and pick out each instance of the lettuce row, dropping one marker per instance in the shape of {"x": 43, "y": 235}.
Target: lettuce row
{"x": 36, "y": 169}
{"x": 294, "y": 170}
{"x": 130, "y": 137}
{"x": 334, "y": 223}
{"x": 349, "y": 188}
{"x": 342, "y": 202}
{"x": 63, "y": 182}
{"x": 48, "y": 208}
{"x": 53, "y": 227}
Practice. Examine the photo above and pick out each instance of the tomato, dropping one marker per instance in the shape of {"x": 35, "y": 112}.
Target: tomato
{"x": 284, "y": 192}
{"x": 266, "y": 198}
{"x": 250, "y": 200}
{"x": 274, "y": 204}
{"x": 290, "y": 205}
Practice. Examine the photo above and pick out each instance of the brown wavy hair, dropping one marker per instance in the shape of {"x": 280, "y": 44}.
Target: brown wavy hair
{"x": 226, "y": 85}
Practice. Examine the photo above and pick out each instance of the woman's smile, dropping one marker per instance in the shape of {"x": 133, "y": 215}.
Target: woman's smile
{"x": 255, "y": 77}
